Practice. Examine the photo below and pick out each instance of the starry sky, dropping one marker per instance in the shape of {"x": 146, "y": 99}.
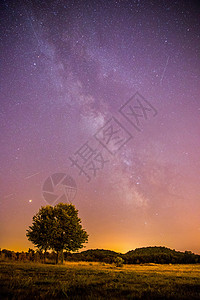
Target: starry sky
{"x": 106, "y": 92}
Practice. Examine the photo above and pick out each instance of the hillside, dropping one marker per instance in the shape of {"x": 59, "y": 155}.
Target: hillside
{"x": 137, "y": 256}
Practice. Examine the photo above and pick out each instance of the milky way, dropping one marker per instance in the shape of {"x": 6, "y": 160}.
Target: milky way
{"x": 69, "y": 70}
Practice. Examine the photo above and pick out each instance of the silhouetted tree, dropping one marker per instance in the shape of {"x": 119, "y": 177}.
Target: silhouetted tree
{"x": 58, "y": 228}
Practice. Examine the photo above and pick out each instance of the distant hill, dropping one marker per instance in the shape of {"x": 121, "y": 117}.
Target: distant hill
{"x": 160, "y": 255}
{"x": 99, "y": 255}
{"x": 156, "y": 255}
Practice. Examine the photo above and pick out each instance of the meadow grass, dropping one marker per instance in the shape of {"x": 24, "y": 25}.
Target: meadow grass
{"x": 83, "y": 280}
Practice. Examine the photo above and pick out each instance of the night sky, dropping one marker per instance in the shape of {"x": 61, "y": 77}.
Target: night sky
{"x": 107, "y": 93}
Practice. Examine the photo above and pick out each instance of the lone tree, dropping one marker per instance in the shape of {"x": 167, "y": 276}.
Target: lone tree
{"x": 59, "y": 230}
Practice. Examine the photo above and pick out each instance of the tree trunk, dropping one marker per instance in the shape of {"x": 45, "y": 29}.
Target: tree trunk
{"x": 57, "y": 252}
{"x": 45, "y": 252}
{"x": 62, "y": 256}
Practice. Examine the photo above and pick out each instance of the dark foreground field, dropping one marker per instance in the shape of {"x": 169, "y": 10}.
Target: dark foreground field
{"x": 98, "y": 281}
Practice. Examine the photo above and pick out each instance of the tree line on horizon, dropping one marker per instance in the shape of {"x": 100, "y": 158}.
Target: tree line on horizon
{"x": 157, "y": 255}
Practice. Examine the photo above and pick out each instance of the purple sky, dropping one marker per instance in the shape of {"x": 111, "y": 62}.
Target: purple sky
{"x": 66, "y": 68}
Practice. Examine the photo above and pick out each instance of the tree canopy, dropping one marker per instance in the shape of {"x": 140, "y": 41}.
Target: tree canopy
{"x": 58, "y": 228}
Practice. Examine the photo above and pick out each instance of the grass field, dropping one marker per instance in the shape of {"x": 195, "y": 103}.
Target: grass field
{"x": 98, "y": 281}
